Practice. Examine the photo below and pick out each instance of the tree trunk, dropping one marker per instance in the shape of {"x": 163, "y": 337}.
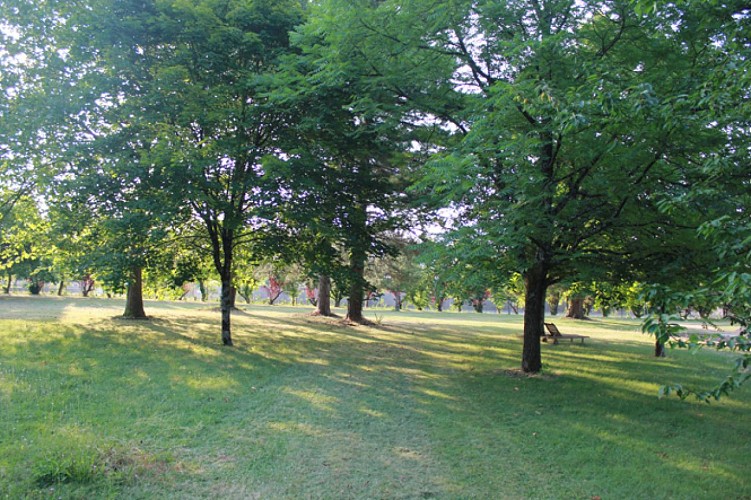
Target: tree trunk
{"x": 233, "y": 297}
{"x": 553, "y": 300}
{"x": 534, "y": 315}
{"x": 357, "y": 289}
{"x": 204, "y": 291}
{"x": 659, "y": 349}
{"x": 576, "y": 308}
{"x": 397, "y": 301}
{"x": 439, "y": 304}
{"x": 7, "y": 286}
{"x": 134, "y": 299}
{"x": 226, "y": 305}
{"x": 61, "y": 288}
{"x": 323, "y": 303}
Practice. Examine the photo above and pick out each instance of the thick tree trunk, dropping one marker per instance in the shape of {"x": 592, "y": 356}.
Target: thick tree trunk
{"x": 323, "y": 302}
{"x": 355, "y": 304}
{"x": 226, "y": 306}
{"x": 6, "y": 290}
{"x": 134, "y": 299}
{"x": 204, "y": 291}
{"x": 575, "y": 308}
{"x": 357, "y": 289}
{"x": 233, "y": 297}
{"x": 534, "y": 316}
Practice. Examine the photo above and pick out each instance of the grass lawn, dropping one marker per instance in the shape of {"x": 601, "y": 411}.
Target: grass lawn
{"x": 424, "y": 405}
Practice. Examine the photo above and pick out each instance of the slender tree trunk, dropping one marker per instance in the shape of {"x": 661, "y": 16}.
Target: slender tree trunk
{"x": 61, "y": 288}
{"x": 323, "y": 303}
{"x": 7, "y": 285}
{"x": 357, "y": 290}
{"x": 134, "y": 299}
{"x": 204, "y": 291}
{"x": 534, "y": 316}
{"x": 226, "y": 305}
{"x": 659, "y": 349}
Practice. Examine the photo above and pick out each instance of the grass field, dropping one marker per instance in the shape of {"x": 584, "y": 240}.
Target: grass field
{"x": 424, "y": 405}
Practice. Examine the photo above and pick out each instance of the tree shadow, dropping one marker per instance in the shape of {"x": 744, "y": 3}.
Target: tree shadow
{"x": 398, "y": 410}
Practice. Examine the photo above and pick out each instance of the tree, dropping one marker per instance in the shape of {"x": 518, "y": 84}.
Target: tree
{"x": 553, "y": 299}
{"x": 396, "y": 271}
{"x": 510, "y": 292}
{"x": 193, "y": 76}
{"x": 355, "y": 149}
{"x": 23, "y": 237}
{"x": 88, "y": 141}
{"x": 576, "y": 131}
{"x": 722, "y": 100}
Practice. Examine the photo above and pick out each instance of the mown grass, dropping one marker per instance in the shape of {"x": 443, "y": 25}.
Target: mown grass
{"x": 422, "y": 406}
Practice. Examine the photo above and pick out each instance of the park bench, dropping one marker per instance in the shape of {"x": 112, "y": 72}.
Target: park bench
{"x": 555, "y": 334}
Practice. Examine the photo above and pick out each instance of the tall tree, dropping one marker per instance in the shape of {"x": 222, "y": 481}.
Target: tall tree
{"x": 576, "y": 130}
{"x": 721, "y": 100}
{"x": 348, "y": 160}
{"x": 190, "y": 78}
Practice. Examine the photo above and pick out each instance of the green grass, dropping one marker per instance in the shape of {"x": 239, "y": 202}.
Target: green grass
{"x": 425, "y": 405}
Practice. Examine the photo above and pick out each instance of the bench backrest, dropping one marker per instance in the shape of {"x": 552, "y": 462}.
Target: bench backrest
{"x": 552, "y": 329}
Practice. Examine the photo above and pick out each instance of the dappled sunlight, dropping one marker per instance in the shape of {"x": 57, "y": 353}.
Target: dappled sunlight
{"x": 414, "y": 373}
{"x": 436, "y": 394}
{"x": 348, "y": 379}
{"x": 139, "y": 375}
{"x": 372, "y": 413}
{"x": 317, "y": 399}
{"x": 438, "y": 407}
{"x": 664, "y": 450}
{"x": 204, "y": 382}
{"x": 408, "y": 454}
{"x": 312, "y": 361}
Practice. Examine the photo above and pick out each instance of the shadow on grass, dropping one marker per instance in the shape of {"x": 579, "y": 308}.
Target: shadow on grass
{"x": 402, "y": 410}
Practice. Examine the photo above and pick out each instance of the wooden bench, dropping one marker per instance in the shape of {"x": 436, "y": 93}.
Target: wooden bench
{"x": 555, "y": 334}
